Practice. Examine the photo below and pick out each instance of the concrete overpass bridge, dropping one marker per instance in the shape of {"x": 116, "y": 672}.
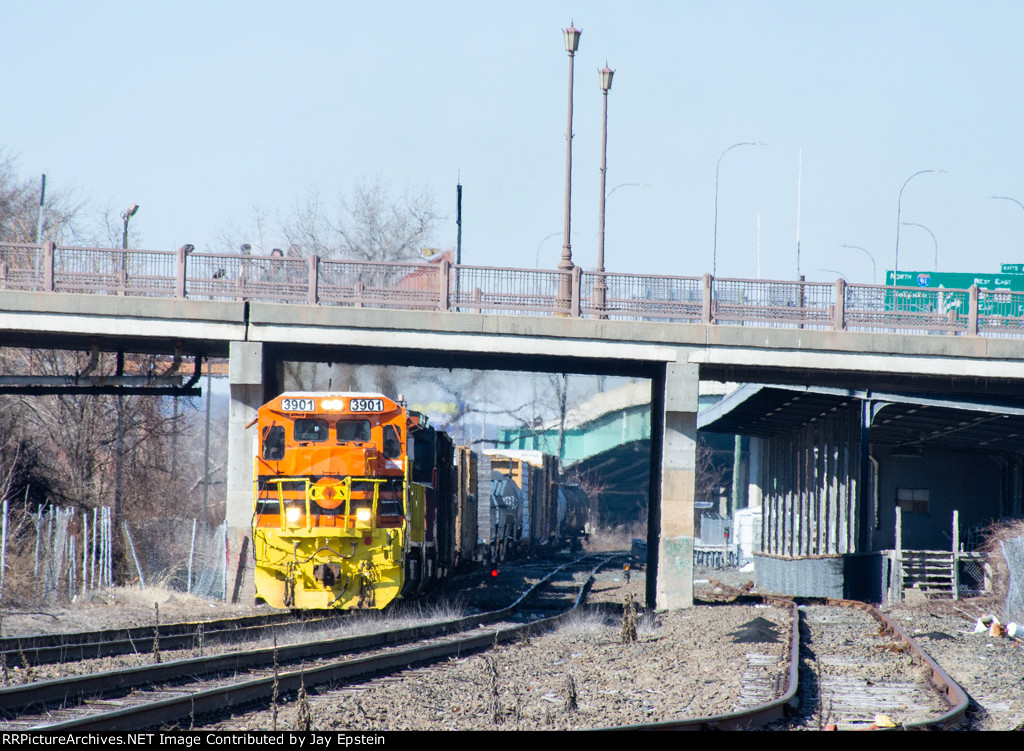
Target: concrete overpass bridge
{"x": 674, "y": 331}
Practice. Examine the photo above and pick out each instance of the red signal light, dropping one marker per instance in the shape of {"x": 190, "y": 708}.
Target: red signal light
{"x": 494, "y": 573}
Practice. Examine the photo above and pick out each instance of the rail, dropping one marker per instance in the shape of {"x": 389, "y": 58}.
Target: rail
{"x": 444, "y": 286}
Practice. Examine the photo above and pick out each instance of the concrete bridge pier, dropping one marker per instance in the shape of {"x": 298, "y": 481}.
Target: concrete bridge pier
{"x": 254, "y": 377}
{"x": 674, "y": 405}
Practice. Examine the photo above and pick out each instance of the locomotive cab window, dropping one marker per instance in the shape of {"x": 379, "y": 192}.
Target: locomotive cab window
{"x": 310, "y": 430}
{"x": 423, "y": 456}
{"x": 353, "y": 430}
{"x": 392, "y": 443}
{"x": 273, "y": 443}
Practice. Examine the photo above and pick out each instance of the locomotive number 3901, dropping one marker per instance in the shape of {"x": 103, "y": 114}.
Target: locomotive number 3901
{"x": 298, "y": 405}
{"x": 366, "y": 405}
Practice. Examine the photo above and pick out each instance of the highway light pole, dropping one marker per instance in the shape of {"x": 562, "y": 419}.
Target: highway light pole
{"x": 718, "y": 167}
{"x": 915, "y": 224}
{"x": 601, "y": 286}
{"x": 1008, "y": 198}
{"x": 865, "y": 251}
{"x": 127, "y": 215}
{"x": 119, "y": 459}
{"x": 899, "y": 203}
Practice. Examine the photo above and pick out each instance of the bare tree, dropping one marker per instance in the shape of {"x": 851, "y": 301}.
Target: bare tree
{"x": 71, "y": 439}
{"x": 375, "y": 227}
{"x": 710, "y": 474}
{"x": 20, "y": 211}
{"x": 370, "y": 224}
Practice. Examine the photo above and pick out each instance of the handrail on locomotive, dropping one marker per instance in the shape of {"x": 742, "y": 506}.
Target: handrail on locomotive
{"x": 364, "y": 518}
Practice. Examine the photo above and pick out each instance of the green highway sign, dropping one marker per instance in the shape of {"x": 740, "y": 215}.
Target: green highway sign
{"x": 957, "y": 280}
{"x": 956, "y": 299}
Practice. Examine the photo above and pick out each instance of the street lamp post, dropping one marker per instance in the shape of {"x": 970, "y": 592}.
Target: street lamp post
{"x": 864, "y": 250}
{"x": 119, "y": 459}
{"x": 915, "y": 224}
{"x": 899, "y": 203}
{"x": 126, "y": 215}
{"x": 572, "y": 43}
{"x": 1008, "y": 198}
{"x": 714, "y": 250}
{"x": 601, "y": 286}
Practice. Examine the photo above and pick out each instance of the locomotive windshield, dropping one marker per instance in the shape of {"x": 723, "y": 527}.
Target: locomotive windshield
{"x": 310, "y": 429}
{"x": 353, "y": 430}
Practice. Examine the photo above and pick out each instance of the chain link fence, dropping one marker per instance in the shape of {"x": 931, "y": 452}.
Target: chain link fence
{"x": 185, "y": 555}
{"x": 56, "y": 554}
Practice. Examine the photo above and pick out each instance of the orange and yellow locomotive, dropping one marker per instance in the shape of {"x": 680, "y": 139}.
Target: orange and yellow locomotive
{"x": 354, "y": 501}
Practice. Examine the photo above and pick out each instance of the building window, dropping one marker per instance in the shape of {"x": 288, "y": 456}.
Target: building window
{"x": 912, "y": 500}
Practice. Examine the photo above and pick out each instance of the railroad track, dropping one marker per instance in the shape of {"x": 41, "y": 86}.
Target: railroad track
{"x": 48, "y": 649}
{"x": 168, "y": 693}
{"x": 850, "y": 668}
{"x": 859, "y": 670}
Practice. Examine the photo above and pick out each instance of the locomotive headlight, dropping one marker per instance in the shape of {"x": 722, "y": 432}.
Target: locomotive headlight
{"x": 363, "y": 515}
{"x": 292, "y": 514}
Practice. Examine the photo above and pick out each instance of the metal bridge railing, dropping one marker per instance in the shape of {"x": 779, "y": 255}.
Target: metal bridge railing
{"x": 505, "y": 291}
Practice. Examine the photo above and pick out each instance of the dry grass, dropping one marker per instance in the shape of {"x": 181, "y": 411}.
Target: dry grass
{"x": 647, "y": 625}
{"x": 996, "y": 534}
{"x": 620, "y": 537}
{"x": 584, "y": 622}
{"x": 358, "y": 623}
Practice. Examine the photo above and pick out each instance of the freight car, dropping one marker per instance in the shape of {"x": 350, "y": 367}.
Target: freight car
{"x": 551, "y": 514}
{"x": 355, "y": 503}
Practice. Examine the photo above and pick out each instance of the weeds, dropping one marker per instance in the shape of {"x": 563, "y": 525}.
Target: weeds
{"x": 582, "y": 621}
{"x": 29, "y": 676}
{"x": 303, "y": 712}
{"x": 646, "y": 625}
{"x": 629, "y": 619}
{"x": 493, "y": 693}
{"x": 274, "y": 693}
{"x": 571, "y": 696}
{"x": 156, "y": 633}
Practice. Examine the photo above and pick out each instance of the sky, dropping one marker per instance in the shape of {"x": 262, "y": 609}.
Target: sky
{"x": 201, "y": 111}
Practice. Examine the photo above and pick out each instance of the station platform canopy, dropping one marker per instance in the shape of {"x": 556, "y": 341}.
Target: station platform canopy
{"x": 903, "y": 420}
